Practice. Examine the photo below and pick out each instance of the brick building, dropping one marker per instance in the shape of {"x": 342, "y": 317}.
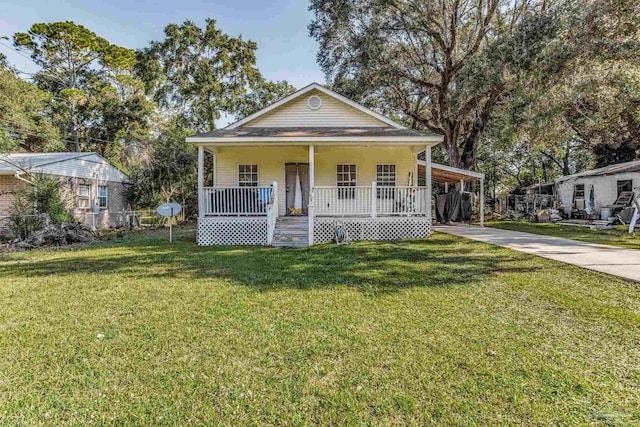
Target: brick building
{"x": 93, "y": 189}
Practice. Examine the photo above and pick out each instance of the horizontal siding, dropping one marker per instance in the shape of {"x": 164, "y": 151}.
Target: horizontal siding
{"x": 271, "y": 163}
{"x": 366, "y": 160}
{"x": 605, "y": 188}
{"x": 332, "y": 113}
{"x": 88, "y": 167}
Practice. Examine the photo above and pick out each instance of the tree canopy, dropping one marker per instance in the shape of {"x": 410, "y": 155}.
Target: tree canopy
{"x": 203, "y": 73}
{"x": 24, "y": 122}
{"x": 557, "y": 69}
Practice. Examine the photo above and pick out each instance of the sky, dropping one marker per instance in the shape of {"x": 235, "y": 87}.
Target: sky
{"x": 285, "y": 50}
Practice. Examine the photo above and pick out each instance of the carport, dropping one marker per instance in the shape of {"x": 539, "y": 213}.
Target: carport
{"x": 448, "y": 175}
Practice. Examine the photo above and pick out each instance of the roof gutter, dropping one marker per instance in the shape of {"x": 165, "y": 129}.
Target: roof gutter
{"x": 18, "y": 176}
{"x": 427, "y": 139}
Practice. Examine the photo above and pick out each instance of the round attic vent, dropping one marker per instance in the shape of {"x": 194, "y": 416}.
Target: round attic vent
{"x": 314, "y": 102}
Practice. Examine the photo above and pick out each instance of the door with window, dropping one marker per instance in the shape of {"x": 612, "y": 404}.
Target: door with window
{"x": 297, "y": 172}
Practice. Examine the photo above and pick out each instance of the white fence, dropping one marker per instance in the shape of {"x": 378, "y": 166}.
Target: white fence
{"x": 238, "y": 201}
{"x": 103, "y": 219}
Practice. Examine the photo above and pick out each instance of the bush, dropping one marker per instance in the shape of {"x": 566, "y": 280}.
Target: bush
{"x": 45, "y": 195}
{"x": 42, "y": 197}
{"x": 23, "y": 219}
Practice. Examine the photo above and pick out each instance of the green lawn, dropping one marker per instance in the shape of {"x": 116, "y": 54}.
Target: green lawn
{"x": 604, "y": 237}
{"x": 447, "y": 331}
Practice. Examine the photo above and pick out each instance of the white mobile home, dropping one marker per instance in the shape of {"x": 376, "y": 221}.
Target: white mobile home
{"x": 573, "y": 191}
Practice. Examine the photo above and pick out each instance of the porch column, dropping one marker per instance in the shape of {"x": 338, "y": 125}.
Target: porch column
{"x": 481, "y": 202}
{"x": 311, "y": 209}
{"x": 200, "y": 180}
{"x": 428, "y": 179}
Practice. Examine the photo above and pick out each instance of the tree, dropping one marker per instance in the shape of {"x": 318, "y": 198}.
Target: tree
{"x": 199, "y": 72}
{"x": 441, "y": 65}
{"x": 589, "y": 103}
{"x": 24, "y": 123}
{"x": 91, "y": 81}
{"x": 261, "y": 95}
{"x": 171, "y": 175}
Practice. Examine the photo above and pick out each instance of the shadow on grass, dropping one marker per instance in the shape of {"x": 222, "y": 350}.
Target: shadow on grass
{"x": 374, "y": 267}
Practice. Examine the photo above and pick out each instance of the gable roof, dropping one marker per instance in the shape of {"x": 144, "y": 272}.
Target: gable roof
{"x": 633, "y": 166}
{"x": 79, "y": 165}
{"x": 324, "y": 90}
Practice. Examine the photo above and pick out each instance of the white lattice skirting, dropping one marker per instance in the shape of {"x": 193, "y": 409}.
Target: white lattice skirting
{"x": 373, "y": 229}
{"x": 232, "y": 231}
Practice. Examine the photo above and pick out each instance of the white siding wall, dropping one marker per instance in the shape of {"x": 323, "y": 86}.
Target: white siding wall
{"x": 332, "y": 113}
{"x": 271, "y": 162}
{"x": 605, "y": 188}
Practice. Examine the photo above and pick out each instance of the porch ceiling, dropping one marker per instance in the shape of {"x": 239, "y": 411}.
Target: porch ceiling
{"x": 447, "y": 174}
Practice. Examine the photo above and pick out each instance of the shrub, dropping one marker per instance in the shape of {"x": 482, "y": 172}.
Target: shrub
{"x": 42, "y": 197}
{"x": 45, "y": 195}
{"x": 23, "y": 219}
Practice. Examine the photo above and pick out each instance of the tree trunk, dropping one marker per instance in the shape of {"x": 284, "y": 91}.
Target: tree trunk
{"x": 74, "y": 128}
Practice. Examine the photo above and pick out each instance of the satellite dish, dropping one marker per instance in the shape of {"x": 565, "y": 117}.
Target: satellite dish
{"x": 169, "y": 209}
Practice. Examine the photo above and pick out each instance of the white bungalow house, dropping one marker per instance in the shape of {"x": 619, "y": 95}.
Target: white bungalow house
{"x": 291, "y": 173}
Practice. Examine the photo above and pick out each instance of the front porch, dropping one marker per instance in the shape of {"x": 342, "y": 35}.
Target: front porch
{"x": 387, "y": 208}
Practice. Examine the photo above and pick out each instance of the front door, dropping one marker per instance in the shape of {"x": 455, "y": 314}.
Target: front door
{"x": 293, "y": 170}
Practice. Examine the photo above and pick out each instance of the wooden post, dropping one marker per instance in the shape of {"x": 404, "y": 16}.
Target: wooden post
{"x": 200, "y": 180}
{"x": 374, "y": 199}
{"x": 311, "y": 207}
{"x": 481, "y": 202}
{"x": 428, "y": 180}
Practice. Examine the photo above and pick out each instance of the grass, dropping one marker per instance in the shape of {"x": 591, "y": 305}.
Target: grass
{"x": 439, "y": 331}
{"x": 605, "y": 237}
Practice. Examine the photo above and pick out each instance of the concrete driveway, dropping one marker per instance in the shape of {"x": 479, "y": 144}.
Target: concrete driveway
{"x": 619, "y": 262}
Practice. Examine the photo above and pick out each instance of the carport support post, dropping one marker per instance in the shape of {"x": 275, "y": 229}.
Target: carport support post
{"x": 200, "y": 179}
{"x": 428, "y": 179}
{"x": 481, "y": 202}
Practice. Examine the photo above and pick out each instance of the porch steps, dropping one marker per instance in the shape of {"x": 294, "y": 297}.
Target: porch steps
{"x": 291, "y": 232}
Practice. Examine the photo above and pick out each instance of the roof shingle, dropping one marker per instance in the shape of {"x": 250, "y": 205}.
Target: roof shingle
{"x": 309, "y": 132}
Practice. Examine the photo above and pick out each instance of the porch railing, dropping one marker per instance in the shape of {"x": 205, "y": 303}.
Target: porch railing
{"x": 342, "y": 200}
{"x": 240, "y": 201}
{"x": 401, "y": 200}
{"x": 328, "y": 201}
{"x": 371, "y": 200}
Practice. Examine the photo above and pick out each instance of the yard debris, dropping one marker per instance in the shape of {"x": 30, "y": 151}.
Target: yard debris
{"x": 56, "y": 234}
